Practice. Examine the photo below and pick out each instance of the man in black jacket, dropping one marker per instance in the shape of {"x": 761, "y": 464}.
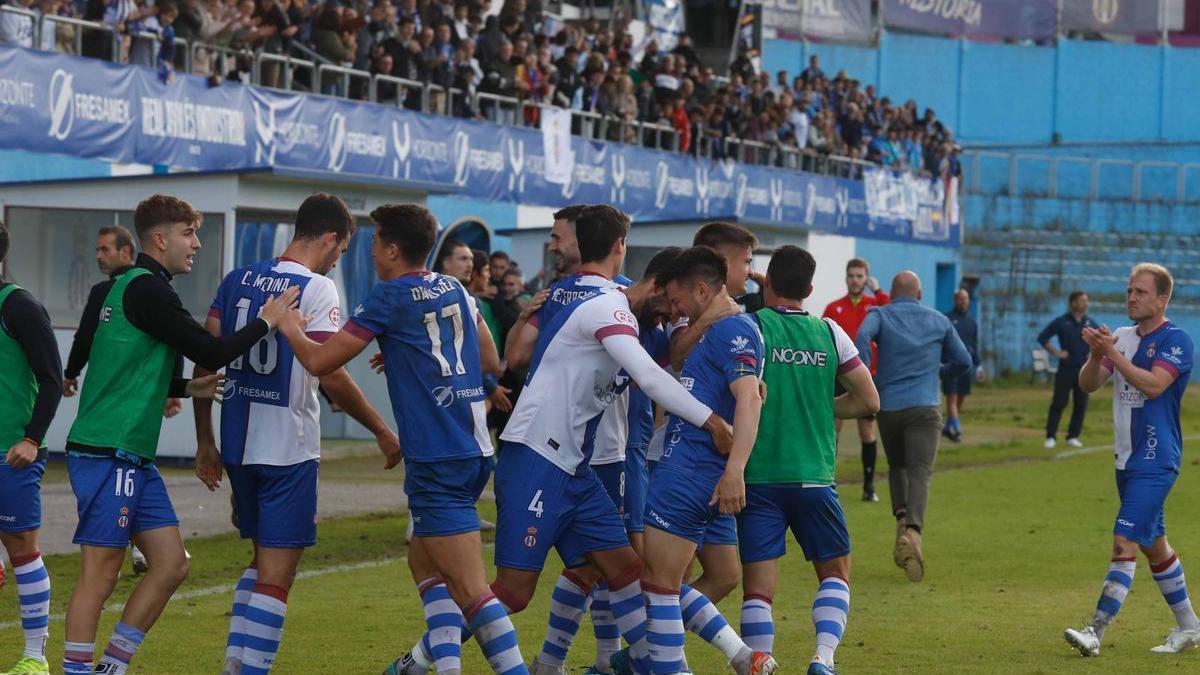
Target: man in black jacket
{"x": 114, "y": 255}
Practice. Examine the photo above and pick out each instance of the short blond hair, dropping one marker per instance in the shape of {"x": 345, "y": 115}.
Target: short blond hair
{"x": 1164, "y": 283}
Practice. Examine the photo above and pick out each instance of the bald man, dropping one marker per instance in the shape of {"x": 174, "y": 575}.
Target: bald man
{"x": 915, "y": 345}
{"x": 957, "y": 388}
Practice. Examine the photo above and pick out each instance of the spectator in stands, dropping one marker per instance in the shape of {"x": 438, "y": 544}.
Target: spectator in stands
{"x": 684, "y": 52}
{"x": 278, "y": 31}
{"x": 500, "y": 78}
{"x": 409, "y": 10}
{"x": 532, "y": 86}
{"x": 14, "y": 28}
{"x": 188, "y": 23}
{"x": 333, "y": 44}
{"x": 385, "y": 92}
{"x": 813, "y": 72}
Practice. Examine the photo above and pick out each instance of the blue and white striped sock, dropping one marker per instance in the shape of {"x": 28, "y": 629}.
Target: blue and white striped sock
{"x": 568, "y": 604}
{"x": 122, "y": 646}
{"x": 665, "y": 631}
{"x": 830, "y": 610}
{"x": 33, "y": 589}
{"x": 496, "y": 636}
{"x": 264, "y": 628}
{"x": 444, "y": 620}
{"x": 758, "y": 627}
{"x": 701, "y": 617}
{"x": 237, "y": 617}
{"x": 1168, "y": 574}
{"x": 628, "y": 605}
{"x": 1112, "y": 594}
{"x": 604, "y": 625}
{"x": 77, "y": 657}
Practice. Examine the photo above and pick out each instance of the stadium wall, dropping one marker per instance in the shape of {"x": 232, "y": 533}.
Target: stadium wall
{"x": 1031, "y": 252}
{"x": 992, "y": 93}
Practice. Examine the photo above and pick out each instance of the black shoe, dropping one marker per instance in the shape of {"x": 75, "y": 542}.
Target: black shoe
{"x": 956, "y": 436}
{"x": 946, "y": 433}
{"x": 869, "y": 495}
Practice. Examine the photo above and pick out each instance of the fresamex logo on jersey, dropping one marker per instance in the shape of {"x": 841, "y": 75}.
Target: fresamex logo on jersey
{"x": 799, "y": 357}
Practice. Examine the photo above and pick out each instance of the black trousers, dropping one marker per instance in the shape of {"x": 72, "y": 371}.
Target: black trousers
{"x": 1066, "y": 381}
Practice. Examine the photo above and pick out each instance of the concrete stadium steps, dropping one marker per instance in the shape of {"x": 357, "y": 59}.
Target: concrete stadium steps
{"x": 1027, "y": 274}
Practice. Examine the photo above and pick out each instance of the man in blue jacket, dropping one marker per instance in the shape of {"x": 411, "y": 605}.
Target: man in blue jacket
{"x": 957, "y": 388}
{"x": 915, "y": 345}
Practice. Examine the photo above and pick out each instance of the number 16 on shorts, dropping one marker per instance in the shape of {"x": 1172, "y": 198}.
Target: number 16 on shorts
{"x": 125, "y": 484}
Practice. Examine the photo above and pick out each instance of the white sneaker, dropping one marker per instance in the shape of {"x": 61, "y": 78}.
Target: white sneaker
{"x": 1085, "y": 640}
{"x": 1050, "y": 443}
{"x": 1179, "y": 640}
{"x": 540, "y": 668}
{"x": 1074, "y": 443}
{"x": 140, "y": 566}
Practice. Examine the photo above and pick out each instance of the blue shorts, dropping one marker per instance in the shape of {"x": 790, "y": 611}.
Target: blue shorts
{"x": 21, "y": 496}
{"x": 612, "y": 477}
{"x": 117, "y": 499}
{"x": 442, "y": 495}
{"x": 720, "y": 531}
{"x": 276, "y": 505}
{"x": 637, "y": 477}
{"x": 813, "y": 514}
{"x": 1143, "y": 496}
{"x": 539, "y": 506}
{"x": 679, "y": 504}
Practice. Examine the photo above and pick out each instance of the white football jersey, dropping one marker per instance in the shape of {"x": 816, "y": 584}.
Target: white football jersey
{"x": 572, "y": 380}
{"x": 270, "y": 412}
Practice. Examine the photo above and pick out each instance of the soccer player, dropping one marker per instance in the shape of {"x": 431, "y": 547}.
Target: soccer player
{"x": 790, "y": 485}
{"x": 270, "y": 425}
{"x": 547, "y": 495}
{"x": 695, "y": 482}
{"x": 112, "y": 444}
{"x": 115, "y": 253}
{"x": 718, "y": 556}
{"x": 435, "y": 347}
{"x": 1150, "y": 363}
{"x": 849, "y": 311}
{"x": 30, "y": 389}
{"x": 577, "y": 588}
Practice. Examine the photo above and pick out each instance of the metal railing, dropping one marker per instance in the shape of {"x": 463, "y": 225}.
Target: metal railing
{"x": 288, "y": 66}
{"x": 79, "y": 26}
{"x": 1034, "y": 175}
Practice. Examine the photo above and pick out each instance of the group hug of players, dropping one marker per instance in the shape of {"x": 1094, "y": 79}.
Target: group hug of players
{"x": 596, "y": 347}
{"x": 747, "y": 453}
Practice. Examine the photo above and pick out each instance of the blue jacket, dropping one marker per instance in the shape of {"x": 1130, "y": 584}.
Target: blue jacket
{"x": 968, "y": 332}
{"x": 915, "y": 345}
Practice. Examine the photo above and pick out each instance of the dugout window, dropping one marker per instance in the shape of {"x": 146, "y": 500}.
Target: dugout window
{"x": 53, "y": 255}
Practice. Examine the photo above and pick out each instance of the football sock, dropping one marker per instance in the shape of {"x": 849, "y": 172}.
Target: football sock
{"x": 830, "y": 610}
{"x": 1169, "y": 576}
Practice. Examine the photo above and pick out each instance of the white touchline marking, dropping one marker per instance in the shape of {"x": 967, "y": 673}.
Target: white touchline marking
{"x": 228, "y": 588}
{"x": 1097, "y": 448}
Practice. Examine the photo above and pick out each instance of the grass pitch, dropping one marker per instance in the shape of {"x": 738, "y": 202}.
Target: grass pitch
{"x": 1017, "y": 544}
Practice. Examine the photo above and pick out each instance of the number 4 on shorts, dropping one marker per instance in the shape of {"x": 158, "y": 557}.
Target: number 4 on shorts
{"x": 535, "y": 504}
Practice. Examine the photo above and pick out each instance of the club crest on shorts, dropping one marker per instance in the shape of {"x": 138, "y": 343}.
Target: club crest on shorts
{"x": 531, "y": 537}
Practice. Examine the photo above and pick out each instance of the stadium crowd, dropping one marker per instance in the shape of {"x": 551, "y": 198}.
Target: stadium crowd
{"x": 519, "y": 53}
